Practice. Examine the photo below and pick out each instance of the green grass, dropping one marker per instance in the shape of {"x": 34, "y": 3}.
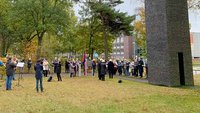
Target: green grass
{"x": 89, "y": 95}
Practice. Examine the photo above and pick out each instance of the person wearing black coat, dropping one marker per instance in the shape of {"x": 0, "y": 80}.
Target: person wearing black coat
{"x": 103, "y": 70}
{"x": 93, "y": 67}
{"x": 55, "y": 63}
{"x": 67, "y": 66}
{"x": 120, "y": 68}
{"x": 58, "y": 71}
{"x": 111, "y": 68}
{"x": 140, "y": 67}
{"x": 99, "y": 69}
{"x": 38, "y": 75}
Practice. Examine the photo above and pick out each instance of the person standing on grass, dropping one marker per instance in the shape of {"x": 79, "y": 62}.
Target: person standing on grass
{"x": 75, "y": 67}
{"x": 99, "y": 68}
{"x": 120, "y": 68}
{"x": 103, "y": 70}
{"x": 38, "y": 75}
{"x": 140, "y": 67}
{"x": 10, "y": 70}
{"x": 15, "y": 61}
{"x": 58, "y": 71}
{"x": 29, "y": 64}
{"x": 71, "y": 69}
{"x": 67, "y": 66}
{"x": 55, "y": 63}
{"x": 135, "y": 68}
{"x": 115, "y": 67}
{"x": 93, "y": 66}
{"x": 45, "y": 67}
{"x": 110, "y": 68}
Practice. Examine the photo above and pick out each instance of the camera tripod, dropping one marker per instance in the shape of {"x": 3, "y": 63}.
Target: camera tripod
{"x": 19, "y": 77}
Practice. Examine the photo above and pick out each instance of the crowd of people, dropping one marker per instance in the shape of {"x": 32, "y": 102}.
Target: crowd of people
{"x": 125, "y": 67}
{"x": 74, "y": 68}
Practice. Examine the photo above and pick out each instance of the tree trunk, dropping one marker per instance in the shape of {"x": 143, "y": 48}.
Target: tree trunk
{"x": 105, "y": 45}
{"x": 39, "y": 47}
{"x": 92, "y": 53}
{"x": 3, "y": 48}
{"x": 90, "y": 43}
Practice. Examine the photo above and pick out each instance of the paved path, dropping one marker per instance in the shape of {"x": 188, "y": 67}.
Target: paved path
{"x": 131, "y": 78}
{"x": 196, "y": 70}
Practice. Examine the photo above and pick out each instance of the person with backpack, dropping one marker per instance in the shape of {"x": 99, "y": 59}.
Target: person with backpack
{"x": 38, "y": 75}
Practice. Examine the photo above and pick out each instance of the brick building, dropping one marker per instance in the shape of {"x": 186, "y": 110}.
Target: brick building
{"x": 123, "y": 47}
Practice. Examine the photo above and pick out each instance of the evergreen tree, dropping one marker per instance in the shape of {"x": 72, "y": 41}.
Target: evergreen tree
{"x": 110, "y": 20}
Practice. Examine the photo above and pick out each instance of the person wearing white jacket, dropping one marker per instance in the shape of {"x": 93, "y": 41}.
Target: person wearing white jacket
{"x": 45, "y": 67}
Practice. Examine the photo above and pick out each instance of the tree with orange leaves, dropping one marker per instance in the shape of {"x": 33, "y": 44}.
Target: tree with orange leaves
{"x": 140, "y": 30}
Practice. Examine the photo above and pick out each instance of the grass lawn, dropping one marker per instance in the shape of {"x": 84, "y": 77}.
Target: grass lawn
{"x": 89, "y": 95}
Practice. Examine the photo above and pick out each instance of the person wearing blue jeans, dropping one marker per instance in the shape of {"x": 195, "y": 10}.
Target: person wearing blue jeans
{"x": 37, "y": 84}
{"x": 9, "y": 82}
{"x": 10, "y": 69}
{"x": 38, "y": 75}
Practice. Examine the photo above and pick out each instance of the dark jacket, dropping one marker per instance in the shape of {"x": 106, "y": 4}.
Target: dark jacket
{"x": 55, "y": 63}
{"x": 67, "y": 64}
{"x": 29, "y": 63}
{"x": 111, "y": 66}
{"x": 140, "y": 63}
{"x": 58, "y": 68}
{"x": 38, "y": 70}
{"x": 103, "y": 68}
{"x": 94, "y": 65}
{"x": 10, "y": 68}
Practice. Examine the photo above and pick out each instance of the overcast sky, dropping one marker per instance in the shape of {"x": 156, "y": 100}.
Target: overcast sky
{"x": 130, "y": 6}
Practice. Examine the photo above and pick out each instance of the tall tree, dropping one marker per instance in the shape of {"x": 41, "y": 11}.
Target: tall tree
{"x": 112, "y": 21}
{"x": 5, "y": 36}
{"x": 39, "y": 17}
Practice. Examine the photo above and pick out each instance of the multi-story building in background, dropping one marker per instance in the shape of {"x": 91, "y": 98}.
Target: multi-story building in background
{"x": 195, "y": 44}
{"x": 123, "y": 47}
